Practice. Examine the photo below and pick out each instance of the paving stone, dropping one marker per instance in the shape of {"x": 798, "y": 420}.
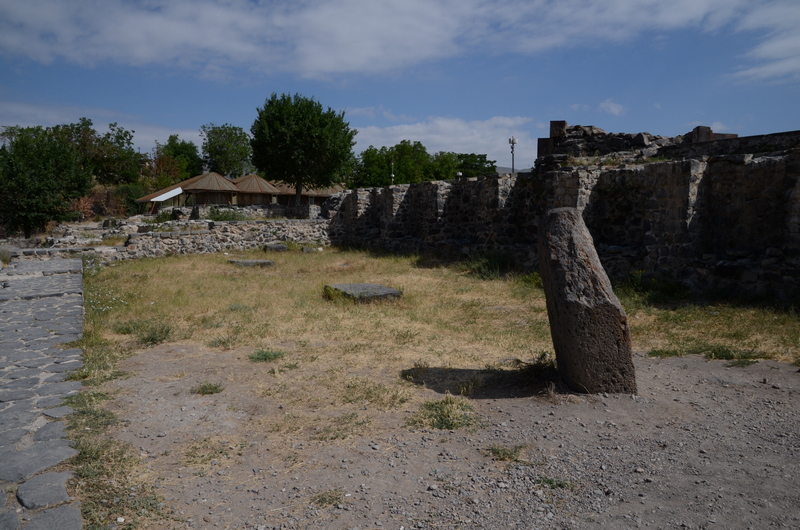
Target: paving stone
{"x": 21, "y": 465}
{"x": 41, "y": 491}
{"x": 59, "y": 412}
{"x": 21, "y": 373}
{"x": 11, "y": 436}
{"x": 55, "y": 378}
{"x": 21, "y": 384}
{"x": 52, "y": 431}
{"x": 67, "y": 517}
{"x": 9, "y": 520}
{"x": 17, "y": 415}
{"x": 15, "y": 395}
{"x": 63, "y": 367}
{"x": 49, "y": 402}
{"x": 362, "y": 292}
{"x": 63, "y": 389}
{"x": 71, "y": 352}
{"x": 36, "y": 362}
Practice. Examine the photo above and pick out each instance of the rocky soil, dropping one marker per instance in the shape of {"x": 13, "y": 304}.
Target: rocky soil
{"x": 703, "y": 445}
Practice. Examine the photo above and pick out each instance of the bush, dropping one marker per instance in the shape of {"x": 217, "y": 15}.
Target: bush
{"x": 215, "y": 214}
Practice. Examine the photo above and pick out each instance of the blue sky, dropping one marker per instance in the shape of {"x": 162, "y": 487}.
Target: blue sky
{"x": 456, "y": 75}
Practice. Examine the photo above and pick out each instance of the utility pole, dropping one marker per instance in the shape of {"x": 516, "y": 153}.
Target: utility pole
{"x": 513, "y": 142}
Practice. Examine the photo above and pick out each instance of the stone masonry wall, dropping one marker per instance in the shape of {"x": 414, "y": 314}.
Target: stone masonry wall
{"x": 722, "y": 222}
{"x": 182, "y": 237}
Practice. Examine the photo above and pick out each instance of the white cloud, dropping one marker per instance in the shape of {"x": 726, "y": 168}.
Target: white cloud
{"x": 488, "y": 137}
{"x": 778, "y": 56}
{"x": 336, "y": 37}
{"x": 609, "y": 107}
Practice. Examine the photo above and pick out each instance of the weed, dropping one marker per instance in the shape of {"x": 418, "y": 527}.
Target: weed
{"x": 448, "y": 413}
{"x": 217, "y": 214}
{"x": 265, "y": 356}
{"x": 5, "y": 255}
{"x": 507, "y": 454}
{"x": 329, "y": 498}
{"x": 226, "y": 342}
{"x": 205, "y": 388}
{"x": 553, "y": 483}
{"x": 489, "y": 266}
{"x": 378, "y": 394}
{"x": 341, "y": 427}
{"x": 147, "y": 332}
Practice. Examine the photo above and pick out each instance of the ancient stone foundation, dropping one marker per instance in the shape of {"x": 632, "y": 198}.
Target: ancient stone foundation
{"x": 728, "y": 222}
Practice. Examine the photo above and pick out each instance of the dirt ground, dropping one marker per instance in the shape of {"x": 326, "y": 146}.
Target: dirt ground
{"x": 703, "y": 445}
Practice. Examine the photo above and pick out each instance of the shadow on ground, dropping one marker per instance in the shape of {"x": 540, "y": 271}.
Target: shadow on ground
{"x": 511, "y": 379}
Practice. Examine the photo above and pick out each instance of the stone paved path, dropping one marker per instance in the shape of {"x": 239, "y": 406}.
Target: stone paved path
{"x": 41, "y": 306}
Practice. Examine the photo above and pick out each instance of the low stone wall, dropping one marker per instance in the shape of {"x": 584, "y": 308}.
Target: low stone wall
{"x": 182, "y": 237}
{"x": 726, "y": 222}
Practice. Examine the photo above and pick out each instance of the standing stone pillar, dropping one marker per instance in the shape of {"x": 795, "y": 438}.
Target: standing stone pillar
{"x": 589, "y": 327}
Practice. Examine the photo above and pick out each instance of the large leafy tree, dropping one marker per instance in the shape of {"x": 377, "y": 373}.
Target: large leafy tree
{"x": 226, "y": 150}
{"x": 111, "y": 157}
{"x": 410, "y": 162}
{"x": 299, "y": 143}
{"x": 172, "y": 162}
{"x": 472, "y": 165}
{"x": 185, "y": 153}
{"x": 42, "y": 171}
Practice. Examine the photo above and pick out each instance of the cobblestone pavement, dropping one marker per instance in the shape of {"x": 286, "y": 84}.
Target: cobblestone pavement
{"x": 41, "y": 307}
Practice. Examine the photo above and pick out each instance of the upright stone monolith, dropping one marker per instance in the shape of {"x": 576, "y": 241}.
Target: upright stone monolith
{"x": 588, "y": 324}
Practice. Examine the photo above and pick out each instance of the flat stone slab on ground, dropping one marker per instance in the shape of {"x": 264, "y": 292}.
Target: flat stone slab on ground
{"x": 362, "y": 292}
{"x": 47, "y": 489}
{"x": 252, "y": 262}
{"x": 276, "y": 247}
{"x": 67, "y": 517}
{"x": 21, "y": 465}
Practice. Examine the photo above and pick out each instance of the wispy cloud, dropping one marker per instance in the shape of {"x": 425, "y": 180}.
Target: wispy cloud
{"x": 488, "y": 137}
{"x": 340, "y": 37}
{"x": 609, "y": 107}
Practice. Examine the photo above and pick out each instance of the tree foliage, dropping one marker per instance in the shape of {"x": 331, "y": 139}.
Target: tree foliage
{"x": 42, "y": 171}
{"x": 410, "y": 162}
{"x": 226, "y": 150}
{"x": 172, "y": 162}
{"x": 296, "y": 142}
{"x": 110, "y": 157}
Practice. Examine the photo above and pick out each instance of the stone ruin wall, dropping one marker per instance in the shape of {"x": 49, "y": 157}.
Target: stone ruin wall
{"x": 715, "y": 222}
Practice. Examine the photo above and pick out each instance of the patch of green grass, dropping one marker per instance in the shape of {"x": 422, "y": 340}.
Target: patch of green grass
{"x": 531, "y": 280}
{"x": 206, "y": 388}
{"x": 489, "y": 266}
{"x": 446, "y": 414}
{"x": 147, "y": 332}
{"x": 329, "y": 498}
{"x": 226, "y": 341}
{"x": 709, "y": 351}
{"x": 639, "y": 290}
{"x": 507, "y": 454}
{"x": 217, "y": 214}
{"x": 265, "y": 356}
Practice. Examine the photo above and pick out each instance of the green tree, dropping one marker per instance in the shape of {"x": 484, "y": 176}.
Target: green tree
{"x": 185, "y": 152}
{"x": 41, "y": 173}
{"x": 443, "y": 166}
{"x": 297, "y": 142}
{"x": 110, "y": 157}
{"x": 373, "y": 169}
{"x": 226, "y": 150}
{"x": 472, "y": 165}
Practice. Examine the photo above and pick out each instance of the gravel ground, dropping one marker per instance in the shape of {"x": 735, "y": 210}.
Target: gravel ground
{"x": 702, "y": 446}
